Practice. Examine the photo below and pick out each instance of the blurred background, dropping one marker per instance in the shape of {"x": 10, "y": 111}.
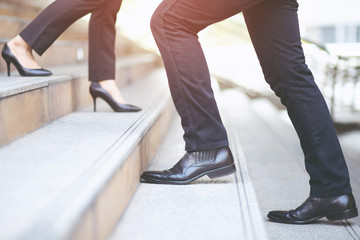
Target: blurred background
{"x": 331, "y": 33}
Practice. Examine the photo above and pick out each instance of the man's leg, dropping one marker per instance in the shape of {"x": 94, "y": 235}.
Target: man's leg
{"x": 273, "y": 27}
{"x": 175, "y": 25}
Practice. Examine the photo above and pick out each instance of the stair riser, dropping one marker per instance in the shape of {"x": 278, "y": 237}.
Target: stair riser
{"x": 71, "y": 52}
{"x": 11, "y": 27}
{"x": 61, "y": 53}
{"x": 26, "y": 12}
{"x": 28, "y": 3}
{"x": 101, "y": 217}
{"x": 128, "y": 75}
{"x": 23, "y": 113}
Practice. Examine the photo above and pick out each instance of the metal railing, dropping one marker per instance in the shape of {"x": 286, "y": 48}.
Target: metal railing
{"x": 342, "y": 76}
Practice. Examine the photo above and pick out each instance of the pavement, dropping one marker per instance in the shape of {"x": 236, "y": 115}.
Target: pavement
{"x": 271, "y": 175}
{"x": 223, "y": 208}
{"x": 244, "y": 70}
{"x": 278, "y": 174}
{"x": 50, "y": 177}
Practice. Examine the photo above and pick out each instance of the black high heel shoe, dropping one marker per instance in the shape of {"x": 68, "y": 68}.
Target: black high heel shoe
{"x": 97, "y": 91}
{"x": 10, "y": 58}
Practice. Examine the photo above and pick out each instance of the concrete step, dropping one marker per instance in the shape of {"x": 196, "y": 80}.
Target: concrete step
{"x": 277, "y": 170}
{"x": 28, "y": 3}
{"x": 73, "y": 178}
{"x": 13, "y": 9}
{"x": 223, "y": 208}
{"x": 44, "y": 99}
{"x": 13, "y": 24}
{"x": 70, "y": 48}
{"x": 61, "y": 53}
{"x": 267, "y": 150}
{"x": 349, "y": 137}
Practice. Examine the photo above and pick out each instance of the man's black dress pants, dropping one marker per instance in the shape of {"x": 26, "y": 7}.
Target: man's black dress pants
{"x": 274, "y": 31}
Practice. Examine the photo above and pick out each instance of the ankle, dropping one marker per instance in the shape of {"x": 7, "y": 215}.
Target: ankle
{"x": 20, "y": 44}
{"x": 112, "y": 88}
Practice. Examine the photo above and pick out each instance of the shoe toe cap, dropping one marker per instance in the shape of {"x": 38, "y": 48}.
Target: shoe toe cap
{"x": 151, "y": 175}
{"x": 277, "y": 214}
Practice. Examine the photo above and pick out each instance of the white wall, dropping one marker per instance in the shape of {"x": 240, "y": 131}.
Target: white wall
{"x": 319, "y": 12}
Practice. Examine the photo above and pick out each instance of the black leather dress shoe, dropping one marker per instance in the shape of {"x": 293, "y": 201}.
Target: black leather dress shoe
{"x": 214, "y": 163}
{"x": 333, "y": 208}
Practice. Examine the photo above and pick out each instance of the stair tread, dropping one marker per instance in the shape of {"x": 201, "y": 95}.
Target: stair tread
{"x": 36, "y": 171}
{"x": 223, "y": 208}
{"x": 276, "y": 165}
{"x": 268, "y": 151}
{"x": 17, "y": 84}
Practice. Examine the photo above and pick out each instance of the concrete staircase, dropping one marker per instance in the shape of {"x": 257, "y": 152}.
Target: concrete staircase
{"x": 43, "y": 100}
{"x": 72, "y": 179}
{"x": 222, "y": 208}
{"x": 67, "y": 172}
{"x": 270, "y": 175}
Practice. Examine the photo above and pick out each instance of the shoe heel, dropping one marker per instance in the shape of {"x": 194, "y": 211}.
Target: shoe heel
{"x": 350, "y": 213}
{"x": 222, "y": 171}
{"x": 94, "y": 99}
{"x": 8, "y": 68}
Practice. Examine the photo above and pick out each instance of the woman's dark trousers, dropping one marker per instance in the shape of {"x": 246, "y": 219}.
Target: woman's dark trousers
{"x": 59, "y": 15}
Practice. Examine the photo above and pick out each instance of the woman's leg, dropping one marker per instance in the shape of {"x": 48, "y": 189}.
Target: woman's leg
{"x": 47, "y": 27}
{"x": 274, "y": 30}
{"x": 102, "y": 58}
{"x": 102, "y": 41}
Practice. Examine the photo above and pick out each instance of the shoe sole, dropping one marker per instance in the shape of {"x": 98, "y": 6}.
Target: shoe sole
{"x": 336, "y": 216}
{"x": 342, "y": 215}
{"x": 219, "y": 172}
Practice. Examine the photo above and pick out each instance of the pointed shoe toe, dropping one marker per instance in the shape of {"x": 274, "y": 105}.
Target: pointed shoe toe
{"x": 97, "y": 91}
{"x": 277, "y": 214}
{"x": 130, "y": 108}
{"x": 333, "y": 208}
{"x": 193, "y": 165}
{"x": 10, "y": 58}
{"x": 152, "y": 176}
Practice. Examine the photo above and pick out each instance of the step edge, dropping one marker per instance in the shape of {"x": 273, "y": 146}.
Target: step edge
{"x": 256, "y": 223}
{"x": 255, "y": 226}
{"x": 63, "y": 228}
{"x": 38, "y": 83}
{"x": 124, "y": 62}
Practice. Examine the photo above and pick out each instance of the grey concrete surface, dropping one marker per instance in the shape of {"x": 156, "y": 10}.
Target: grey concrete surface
{"x": 16, "y": 84}
{"x": 223, "y": 208}
{"x": 276, "y": 167}
{"x": 350, "y": 142}
{"x": 275, "y": 163}
{"x": 36, "y": 170}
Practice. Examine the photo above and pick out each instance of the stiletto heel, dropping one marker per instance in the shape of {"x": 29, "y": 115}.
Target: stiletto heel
{"x": 94, "y": 99}
{"x": 8, "y": 68}
{"x": 97, "y": 91}
{"x": 10, "y": 58}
